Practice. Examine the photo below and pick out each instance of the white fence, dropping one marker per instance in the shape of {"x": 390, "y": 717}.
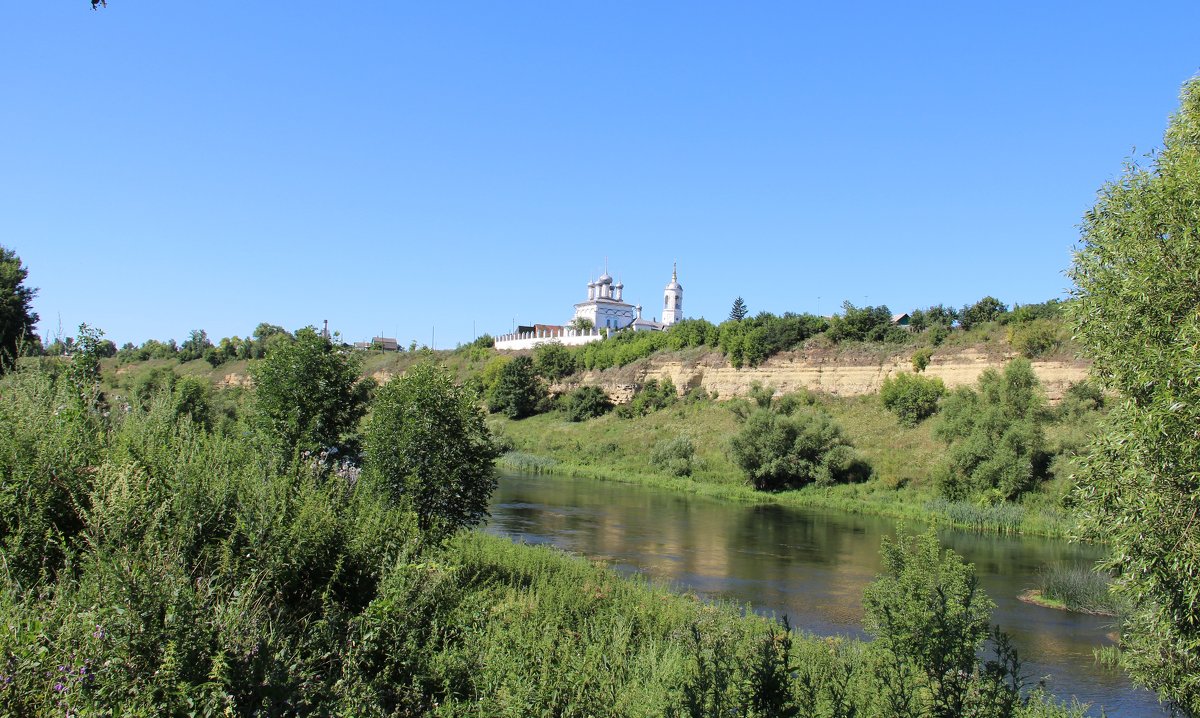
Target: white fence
{"x": 567, "y": 337}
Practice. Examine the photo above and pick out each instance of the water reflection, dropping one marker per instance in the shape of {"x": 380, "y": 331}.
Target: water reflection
{"x": 811, "y": 565}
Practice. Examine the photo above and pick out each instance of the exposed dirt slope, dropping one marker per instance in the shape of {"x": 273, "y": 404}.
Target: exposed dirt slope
{"x": 821, "y": 371}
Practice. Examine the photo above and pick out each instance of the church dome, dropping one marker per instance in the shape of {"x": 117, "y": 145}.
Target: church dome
{"x": 604, "y": 279}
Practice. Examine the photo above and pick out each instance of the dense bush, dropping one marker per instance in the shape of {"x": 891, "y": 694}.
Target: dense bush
{"x": 920, "y": 359}
{"x": 586, "y": 402}
{"x": 675, "y": 456}
{"x": 649, "y": 397}
{"x": 779, "y": 452}
{"x": 865, "y": 324}
{"x": 1038, "y": 337}
{"x": 553, "y": 361}
{"x": 930, "y": 618}
{"x": 996, "y": 442}
{"x": 517, "y": 391}
{"x": 911, "y": 397}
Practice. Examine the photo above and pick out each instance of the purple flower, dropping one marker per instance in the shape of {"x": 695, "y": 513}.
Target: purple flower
{"x": 59, "y": 688}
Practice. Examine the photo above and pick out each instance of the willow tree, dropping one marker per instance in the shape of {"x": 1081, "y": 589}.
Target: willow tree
{"x": 1137, "y": 282}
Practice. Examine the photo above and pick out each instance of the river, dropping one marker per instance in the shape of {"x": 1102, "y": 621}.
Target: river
{"x": 811, "y": 565}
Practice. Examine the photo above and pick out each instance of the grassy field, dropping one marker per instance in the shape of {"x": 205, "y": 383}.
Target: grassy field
{"x": 903, "y": 460}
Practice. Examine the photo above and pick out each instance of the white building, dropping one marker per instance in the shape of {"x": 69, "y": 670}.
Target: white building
{"x": 603, "y": 312}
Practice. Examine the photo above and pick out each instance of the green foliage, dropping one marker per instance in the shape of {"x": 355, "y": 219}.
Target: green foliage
{"x": 1037, "y": 337}
{"x": 553, "y": 361}
{"x": 911, "y": 397}
{"x": 49, "y": 447}
{"x": 930, "y": 617}
{"x": 920, "y": 359}
{"x": 988, "y": 309}
{"x": 1135, "y": 314}
{"x": 937, "y": 316}
{"x": 586, "y": 402}
{"x": 866, "y": 324}
{"x": 307, "y": 395}
{"x": 427, "y": 446}
{"x": 517, "y": 390}
{"x": 652, "y": 396}
{"x": 778, "y": 452}
{"x": 996, "y": 438}
{"x": 738, "y": 311}
{"x": 752, "y": 341}
{"x": 196, "y": 345}
{"x": 675, "y": 456}
{"x": 1081, "y": 398}
{"x": 17, "y": 318}
{"x": 1021, "y": 313}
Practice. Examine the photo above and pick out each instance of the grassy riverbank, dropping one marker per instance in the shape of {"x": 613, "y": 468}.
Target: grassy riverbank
{"x": 903, "y": 459}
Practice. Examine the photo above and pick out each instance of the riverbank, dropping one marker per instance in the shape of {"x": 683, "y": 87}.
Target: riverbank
{"x": 903, "y": 460}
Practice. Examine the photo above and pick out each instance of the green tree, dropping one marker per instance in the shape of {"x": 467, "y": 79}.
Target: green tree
{"x": 197, "y": 343}
{"x": 987, "y": 309}
{"x": 17, "y": 318}
{"x": 930, "y": 617}
{"x": 307, "y": 395}
{"x": 517, "y": 390}
{"x": 553, "y": 361}
{"x": 995, "y": 434}
{"x": 912, "y": 398}
{"x": 864, "y": 324}
{"x": 427, "y": 445}
{"x": 738, "y": 311}
{"x": 1136, "y": 313}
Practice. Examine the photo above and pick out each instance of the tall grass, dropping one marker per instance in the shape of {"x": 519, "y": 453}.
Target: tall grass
{"x": 1079, "y": 589}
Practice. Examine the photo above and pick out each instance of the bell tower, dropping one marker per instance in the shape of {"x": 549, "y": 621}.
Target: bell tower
{"x": 673, "y": 299}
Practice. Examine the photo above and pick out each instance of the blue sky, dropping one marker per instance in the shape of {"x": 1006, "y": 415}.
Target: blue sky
{"x": 396, "y": 167}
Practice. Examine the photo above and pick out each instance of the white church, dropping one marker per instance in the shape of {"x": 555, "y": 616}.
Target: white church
{"x": 604, "y": 312}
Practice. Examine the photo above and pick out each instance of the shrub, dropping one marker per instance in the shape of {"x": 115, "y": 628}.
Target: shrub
{"x": 517, "y": 390}
{"x": 865, "y": 324}
{"x": 1081, "y": 397}
{"x": 586, "y": 402}
{"x": 651, "y": 396}
{"x": 912, "y": 398}
{"x": 920, "y": 359}
{"x": 995, "y": 436}
{"x": 930, "y": 617}
{"x": 553, "y": 361}
{"x": 674, "y": 455}
{"x": 779, "y": 452}
{"x": 1038, "y": 337}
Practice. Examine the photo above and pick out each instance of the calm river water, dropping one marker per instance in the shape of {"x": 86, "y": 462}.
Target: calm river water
{"x": 811, "y": 565}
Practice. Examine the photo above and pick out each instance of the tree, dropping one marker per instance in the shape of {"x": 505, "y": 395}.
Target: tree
{"x": 930, "y": 617}
{"x": 307, "y": 395}
{"x": 427, "y": 445}
{"x": 995, "y": 434}
{"x": 864, "y": 324}
{"x": 1136, "y": 292}
{"x": 738, "y": 312}
{"x": 17, "y": 318}
{"x": 553, "y": 361}
{"x": 197, "y": 343}
{"x": 985, "y": 310}
{"x": 517, "y": 390}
